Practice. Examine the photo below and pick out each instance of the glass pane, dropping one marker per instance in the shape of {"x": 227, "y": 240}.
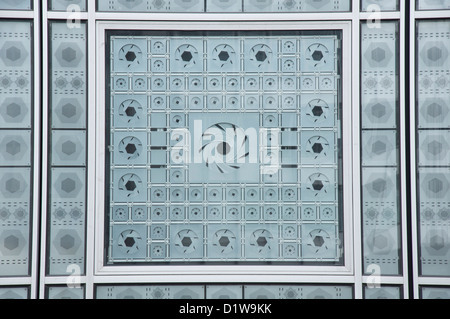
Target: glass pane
{"x": 14, "y": 293}
{"x": 152, "y": 5}
{"x": 16, "y": 148}
{"x": 213, "y": 170}
{"x": 435, "y": 292}
{"x": 433, "y": 4}
{"x": 379, "y": 5}
{"x": 381, "y": 212}
{"x": 296, "y": 6}
{"x": 433, "y": 142}
{"x": 64, "y": 292}
{"x": 68, "y": 5}
{"x": 67, "y": 188}
{"x": 224, "y": 292}
{"x": 383, "y": 292}
{"x": 225, "y": 5}
{"x": 297, "y": 292}
{"x": 15, "y": 5}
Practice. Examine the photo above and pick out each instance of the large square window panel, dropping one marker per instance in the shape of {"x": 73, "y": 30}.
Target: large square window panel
{"x": 215, "y": 155}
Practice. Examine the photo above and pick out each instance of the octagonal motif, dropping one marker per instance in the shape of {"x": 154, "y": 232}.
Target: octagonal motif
{"x": 13, "y": 148}
{"x": 13, "y": 185}
{"x": 435, "y": 185}
{"x": 69, "y": 54}
{"x": 435, "y": 148}
{"x": 67, "y": 242}
{"x": 13, "y": 110}
{"x": 13, "y": 53}
{"x": 434, "y": 54}
{"x": 378, "y": 55}
{"x": 436, "y": 242}
{"x": 68, "y": 185}
{"x": 12, "y": 242}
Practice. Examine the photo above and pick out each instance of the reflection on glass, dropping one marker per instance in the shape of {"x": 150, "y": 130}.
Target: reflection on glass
{"x": 380, "y": 150}
{"x": 67, "y": 189}
{"x": 255, "y": 6}
{"x": 233, "y": 157}
{"x": 16, "y": 149}
{"x": 224, "y": 292}
{"x": 433, "y": 141}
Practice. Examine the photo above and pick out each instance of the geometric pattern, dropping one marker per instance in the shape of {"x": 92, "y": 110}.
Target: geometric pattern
{"x": 225, "y": 5}
{"x": 67, "y": 142}
{"x": 224, "y": 292}
{"x": 16, "y": 112}
{"x": 171, "y": 200}
{"x": 433, "y": 142}
{"x": 379, "y": 148}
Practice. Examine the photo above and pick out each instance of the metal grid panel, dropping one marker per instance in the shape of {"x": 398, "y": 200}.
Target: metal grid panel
{"x": 67, "y": 189}
{"x": 274, "y": 152}
{"x": 433, "y": 166}
{"x": 16, "y": 149}
{"x": 224, "y": 292}
{"x": 381, "y": 213}
{"x": 199, "y": 6}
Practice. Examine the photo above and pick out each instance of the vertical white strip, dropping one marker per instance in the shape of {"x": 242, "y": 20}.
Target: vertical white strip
{"x": 44, "y": 146}
{"x": 91, "y": 131}
{"x": 356, "y": 31}
{"x": 413, "y": 172}
{"x": 37, "y": 150}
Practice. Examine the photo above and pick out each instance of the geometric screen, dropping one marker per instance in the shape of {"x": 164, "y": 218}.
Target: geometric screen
{"x": 223, "y": 147}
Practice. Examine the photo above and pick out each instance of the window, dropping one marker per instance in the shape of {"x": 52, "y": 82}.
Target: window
{"x": 224, "y": 147}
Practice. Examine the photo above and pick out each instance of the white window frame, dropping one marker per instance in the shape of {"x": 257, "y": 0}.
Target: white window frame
{"x": 227, "y": 273}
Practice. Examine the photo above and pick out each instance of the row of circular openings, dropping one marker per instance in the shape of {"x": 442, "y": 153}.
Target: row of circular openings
{"x": 131, "y": 110}
{"x": 159, "y": 47}
{"x": 197, "y": 213}
{"x": 131, "y": 184}
{"x": 233, "y": 194}
{"x": 131, "y": 148}
{"x": 187, "y": 241}
{"x": 219, "y": 84}
{"x": 187, "y": 55}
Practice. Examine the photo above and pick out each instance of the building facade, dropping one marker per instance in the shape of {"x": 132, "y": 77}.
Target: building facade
{"x": 211, "y": 149}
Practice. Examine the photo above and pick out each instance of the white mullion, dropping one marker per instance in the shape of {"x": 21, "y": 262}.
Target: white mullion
{"x": 37, "y": 151}
{"x": 45, "y": 151}
{"x": 18, "y": 14}
{"x": 184, "y": 17}
{"x": 414, "y": 208}
{"x": 356, "y": 48}
{"x": 435, "y": 14}
{"x": 62, "y": 15}
{"x": 433, "y": 281}
{"x": 90, "y": 169}
{"x": 403, "y": 169}
{"x": 213, "y": 279}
